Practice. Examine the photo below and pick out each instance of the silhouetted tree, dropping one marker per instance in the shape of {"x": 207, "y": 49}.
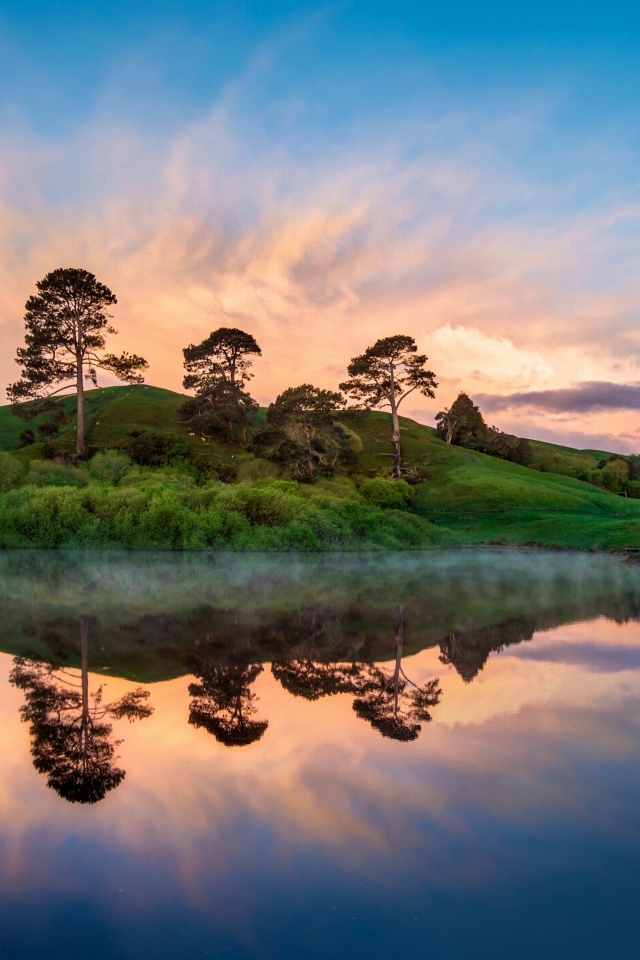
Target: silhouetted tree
{"x": 224, "y": 704}
{"x": 66, "y": 323}
{"x": 384, "y": 375}
{"x": 71, "y": 738}
{"x": 218, "y": 369}
{"x": 394, "y": 705}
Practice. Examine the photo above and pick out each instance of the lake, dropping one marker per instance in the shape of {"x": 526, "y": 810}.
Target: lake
{"x": 364, "y": 756}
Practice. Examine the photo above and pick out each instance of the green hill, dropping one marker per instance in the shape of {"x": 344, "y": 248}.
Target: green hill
{"x": 481, "y": 498}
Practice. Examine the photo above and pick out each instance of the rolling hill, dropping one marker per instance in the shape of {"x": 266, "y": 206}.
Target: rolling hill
{"x": 481, "y": 498}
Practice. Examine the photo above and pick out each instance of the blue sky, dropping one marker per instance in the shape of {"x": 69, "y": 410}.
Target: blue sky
{"x": 469, "y": 173}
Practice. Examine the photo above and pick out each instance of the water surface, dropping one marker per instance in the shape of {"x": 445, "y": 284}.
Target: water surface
{"x": 357, "y": 757}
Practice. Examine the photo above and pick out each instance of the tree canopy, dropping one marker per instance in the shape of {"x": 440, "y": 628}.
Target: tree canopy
{"x": 66, "y": 323}
{"x": 463, "y": 424}
{"x": 224, "y": 704}
{"x": 302, "y": 429}
{"x": 384, "y": 375}
{"x": 218, "y": 369}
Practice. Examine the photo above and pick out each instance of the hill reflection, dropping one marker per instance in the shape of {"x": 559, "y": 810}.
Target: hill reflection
{"x": 322, "y": 629}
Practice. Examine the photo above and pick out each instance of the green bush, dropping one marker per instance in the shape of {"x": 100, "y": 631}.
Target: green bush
{"x": 156, "y": 449}
{"x": 170, "y": 512}
{"x": 112, "y": 466}
{"x": 10, "y": 472}
{"x": 47, "y": 473}
{"x": 394, "y": 494}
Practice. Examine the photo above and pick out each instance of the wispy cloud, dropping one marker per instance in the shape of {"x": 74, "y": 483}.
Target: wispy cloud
{"x": 319, "y": 246}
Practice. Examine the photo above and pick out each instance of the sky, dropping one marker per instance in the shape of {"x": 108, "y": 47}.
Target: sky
{"x": 325, "y": 174}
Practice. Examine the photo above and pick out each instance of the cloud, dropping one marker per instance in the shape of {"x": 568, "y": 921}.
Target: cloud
{"x": 318, "y": 245}
{"x": 589, "y": 397}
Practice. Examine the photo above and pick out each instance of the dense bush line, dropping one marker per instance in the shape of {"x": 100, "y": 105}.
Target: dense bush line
{"x": 113, "y": 503}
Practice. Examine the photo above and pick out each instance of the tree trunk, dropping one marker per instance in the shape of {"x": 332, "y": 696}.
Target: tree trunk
{"x": 397, "y": 452}
{"x": 80, "y": 404}
{"x": 396, "y": 675}
{"x": 450, "y": 427}
{"x": 84, "y": 661}
{"x": 309, "y": 465}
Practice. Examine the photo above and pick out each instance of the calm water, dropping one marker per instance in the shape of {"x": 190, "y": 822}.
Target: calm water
{"x": 368, "y": 757}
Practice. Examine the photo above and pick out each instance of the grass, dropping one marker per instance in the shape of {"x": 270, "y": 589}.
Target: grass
{"x": 467, "y": 497}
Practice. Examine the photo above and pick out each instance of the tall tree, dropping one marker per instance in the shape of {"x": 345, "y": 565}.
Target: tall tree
{"x": 384, "y": 375}
{"x": 301, "y": 428}
{"x": 71, "y": 735}
{"x": 218, "y": 369}
{"x": 66, "y": 323}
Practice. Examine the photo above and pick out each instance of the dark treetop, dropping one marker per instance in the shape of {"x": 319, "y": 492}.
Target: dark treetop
{"x": 384, "y": 375}
{"x": 66, "y": 323}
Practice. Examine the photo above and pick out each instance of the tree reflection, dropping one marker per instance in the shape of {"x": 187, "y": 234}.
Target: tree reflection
{"x": 72, "y": 739}
{"x": 223, "y": 702}
{"x": 469, "y": 650}
{"x": 313, "y": 679}
{"x": 394, "y": 705}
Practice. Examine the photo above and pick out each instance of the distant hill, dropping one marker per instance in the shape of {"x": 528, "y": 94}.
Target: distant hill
{"x": 482, "y": 498}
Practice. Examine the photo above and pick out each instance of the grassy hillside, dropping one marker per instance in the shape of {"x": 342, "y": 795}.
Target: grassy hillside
{"x": 480, "y": 498}
{"x": 111, "y": 414}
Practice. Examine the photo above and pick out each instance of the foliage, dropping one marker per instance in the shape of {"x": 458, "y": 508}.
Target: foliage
{"x": 145, "y": 511}
{"x": 155, "y": 449}
{"x": 223, "y": 702}
{"x": 71, "y": 738}
{"x": 111, "y": 466}
{"x": 384, "y": 375}
{"x": 66, "y": 323}
{"x": 218, "y": 371}
{"x": 386, "y": 493}
{"x": 11, "y": 472}
{"x": 49, "y": 473}
{"x": 301, "y": 430}
{"x": 462, "y": 423}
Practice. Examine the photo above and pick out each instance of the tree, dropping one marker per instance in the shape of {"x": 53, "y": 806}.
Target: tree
{"x": 223, "y": 702}
{"x": 218, "y": 369}
{"x": 72, "y": 741}
{"x": 395, "y": 706}
{"x": 66, "y": 323}
{"x": 505, "y": 446}
{"x": 384, "y": 375}
{"x": 301, "y": 429}
{"x": 462, "y": 423}
{"x": 313, "y": 679}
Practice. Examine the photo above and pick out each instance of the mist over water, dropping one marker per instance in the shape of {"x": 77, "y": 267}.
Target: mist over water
{"x": 354, "y": 756}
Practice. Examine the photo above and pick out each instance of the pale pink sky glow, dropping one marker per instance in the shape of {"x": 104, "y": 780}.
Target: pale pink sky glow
{"x": 318, "y": 257}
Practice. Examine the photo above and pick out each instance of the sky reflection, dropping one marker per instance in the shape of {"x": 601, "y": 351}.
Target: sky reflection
{"x": 515, "y": 774}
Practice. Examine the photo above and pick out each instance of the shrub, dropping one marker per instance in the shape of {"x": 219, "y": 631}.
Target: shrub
{"x": 46, "y": 473}
{"x": 110, "y": 466}
{"x": 10, "y": 472}
{"x": 394, "y": 494}
{"x": 156, "y": 449}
